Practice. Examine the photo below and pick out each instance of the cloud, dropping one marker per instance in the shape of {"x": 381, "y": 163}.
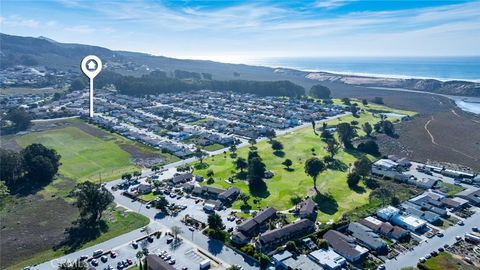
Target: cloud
{"x": 331, "y": 4}
{"x": 82, "y": 29}
{"x": 17, "y": 21}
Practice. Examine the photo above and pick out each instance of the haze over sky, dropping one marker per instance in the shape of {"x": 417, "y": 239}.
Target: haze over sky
{"x": 235, "y": 31}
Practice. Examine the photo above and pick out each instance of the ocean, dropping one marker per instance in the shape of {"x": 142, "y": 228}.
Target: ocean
{"x": 441, "y": 68}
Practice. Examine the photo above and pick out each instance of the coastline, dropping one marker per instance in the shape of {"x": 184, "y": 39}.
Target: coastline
{"x": 467, "y": 104}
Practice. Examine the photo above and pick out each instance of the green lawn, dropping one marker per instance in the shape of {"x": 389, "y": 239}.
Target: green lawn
{"x": 119, "y": 222}
{"x": 213, "y": 147}
{"x": 445, "y": 260}
{"x": 285, "y": 184}
{"x": 88, "y": 157}
{"x": 375, "y": 107}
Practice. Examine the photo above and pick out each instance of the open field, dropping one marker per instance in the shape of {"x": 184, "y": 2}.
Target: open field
{"x": 24, "y": 245}
{"x": 299, "y": 145}
{"x": 28, "y": 90}
{"x": 91, "y": 153}
{"x": 455, "y": 132}
{"x": 445, "y": 260}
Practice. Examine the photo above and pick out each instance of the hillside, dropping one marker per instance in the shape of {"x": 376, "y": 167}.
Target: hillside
{"x": 44, "y": 52}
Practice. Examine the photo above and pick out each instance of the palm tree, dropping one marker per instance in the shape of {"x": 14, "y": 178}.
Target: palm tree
{"x": 313, "y": 167}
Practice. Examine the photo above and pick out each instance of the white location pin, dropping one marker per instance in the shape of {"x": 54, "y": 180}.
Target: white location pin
{"x": 91, "y": 65}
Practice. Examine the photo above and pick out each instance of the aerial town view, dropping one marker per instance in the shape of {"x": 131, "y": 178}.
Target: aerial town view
{"x": 289, "y": 135}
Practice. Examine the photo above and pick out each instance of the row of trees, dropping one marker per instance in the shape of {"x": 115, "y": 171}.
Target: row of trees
{"x": 34, "y": 165}
{"x": 154, "y": 84}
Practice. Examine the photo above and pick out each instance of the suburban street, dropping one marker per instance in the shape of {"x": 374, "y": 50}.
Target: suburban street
{"x": 411, "y": 258}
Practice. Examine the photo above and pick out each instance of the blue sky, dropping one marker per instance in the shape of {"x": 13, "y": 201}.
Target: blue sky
{"x": 239, "y": 31}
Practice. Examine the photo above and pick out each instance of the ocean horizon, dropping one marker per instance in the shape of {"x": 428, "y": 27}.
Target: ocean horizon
{"x": 441, "y": 68}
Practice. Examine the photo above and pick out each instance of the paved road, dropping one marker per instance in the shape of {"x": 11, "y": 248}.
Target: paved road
{"x": 411, "y": 258}
{"x": 159, "y": 222}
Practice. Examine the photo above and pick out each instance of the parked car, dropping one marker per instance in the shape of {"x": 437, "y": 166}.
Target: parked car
{"x": 191, "y": 229}
{"x": 113, "y": 254}
{"x": 460, "y": 222}
{"x": 475, "y": 229}
{"x": 422, "y": 259}
{"x": 97, "y": 253}
{"x": 446, "y": 245}
{"x": 104, "y": 258}
{"x": 94, "y": 262}
{"x": 172, "y": 262}
{"x": 434, "y": 253}
{"x": 440, "y": 234}
{"x": 441, "y": 249}
{"x": 169, "y": 240}
{"x": 458, "y": 237}
{"x": 134, "y": 245}
{"x": 129, "y": 261}
{"x": 83, "y": 257}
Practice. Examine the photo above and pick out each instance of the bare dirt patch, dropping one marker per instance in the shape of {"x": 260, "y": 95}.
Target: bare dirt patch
{"x": 94, "y": 131}
{"x": 33, "y": 224}
{"x": 141, "y": 157}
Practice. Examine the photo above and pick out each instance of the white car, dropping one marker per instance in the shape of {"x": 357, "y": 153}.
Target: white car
{"x": 422, "y": 259}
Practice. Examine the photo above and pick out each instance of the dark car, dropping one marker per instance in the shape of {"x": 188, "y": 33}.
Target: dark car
{"x": 134, "y": 245}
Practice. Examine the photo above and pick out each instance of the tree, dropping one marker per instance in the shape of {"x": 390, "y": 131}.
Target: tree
{"x": 199, "y": 154}
{"x": 276, "y": 145}
{"x": 92, "y": 200}
{"x": 210, "y": 173}
{"x": 40, "y": 163}
{"x": 10, "y": 167}
{"x": 354, "y": 110}
{"x": 270, "y": 134}
{"x": 4, "y": 193}
{"x": 155, "y": 168}
{"x": 244, "y": 197}
{"x": 77, "y": 84}
{"x": 160, "y": 203}
{"x": 291, "y": 246}
{"x": 176, "y": 231}
{"x": 326, "y": 134}
{"x": 332, "y": 147}
{"x": 377, "y": 100}
{"x": 287, "y": 163}
{"x": 256, "y": 170}
{"x": 369, "y": 147}
{"x": 364, "y": 102}
{"x": 234, "y": 267}
{"x": 367, "y": 128}
{"x": 215, "y": 222}
{"x": 313, "y": 167}
{"x": 137, "y": 173}
{"x": 75, "y": 265}
{"x": 295, "y": 200}
{"x": 127, "y": 176}
{"x": 352, "y": 179}
{"x": 388, "y": 128}
{"x": 362, "y": 166}
{"x": 233, "y": 148}
{"x": 20, "y": 118}
{"x": 346, "y": 101}
{"x": 346, "y": 133}
{"x": 382, "y": 193}
{"x": 240, "y": 164}
{"x": 320, "y": 91}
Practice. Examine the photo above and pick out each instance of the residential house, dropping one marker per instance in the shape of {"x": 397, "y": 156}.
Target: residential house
{"x": 301, "y": 262}
{"x": 384, "y": 228}
{"x": 367, "y": 237}
{"x": 276, "y": 237}
{"x": 229, "y": 195}
{"x": 277, "y": 259}
{"x": 207, "y": 192}
{"x": 253, "y": 225}
{"x": 472, "y": 195}
{"x": 307, "y": 209}
{"x": 144, "y": 189}
{"x": 328, "y": 259}
{"x": 455, "y": 203}
{"x": 344, "y": 245}
{"x": 181, "y": 178}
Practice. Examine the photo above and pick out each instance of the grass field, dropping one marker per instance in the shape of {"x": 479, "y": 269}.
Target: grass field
{"x": 445, "y": 260}
{"x": 88, "y": 152}
{"x": 118, "y": 221}
{"x": 298, "y": 146}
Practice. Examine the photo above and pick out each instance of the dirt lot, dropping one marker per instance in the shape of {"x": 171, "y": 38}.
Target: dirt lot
{"x": 441, "y": 132}
{"x": 33, "y": 224}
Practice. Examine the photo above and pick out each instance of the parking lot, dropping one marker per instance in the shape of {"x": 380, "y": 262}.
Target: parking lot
{"x": 183, "y": 254}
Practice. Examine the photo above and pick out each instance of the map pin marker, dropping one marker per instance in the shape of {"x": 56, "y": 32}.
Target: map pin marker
{"x": 91, "y": 65}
